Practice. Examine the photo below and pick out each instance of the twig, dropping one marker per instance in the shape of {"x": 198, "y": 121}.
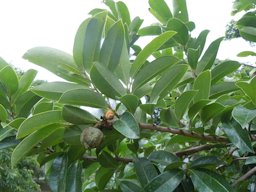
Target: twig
{"x": 184, "y": 133}
{"x": 245, "y": 176}
{"x": 120, "y": 159}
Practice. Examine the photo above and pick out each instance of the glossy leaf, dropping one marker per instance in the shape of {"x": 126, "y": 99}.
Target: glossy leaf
{"x": 9, "y": 79}
{"x": 87, "y": 43}
{"x": 145, "y": 171}
{"x": 83, "y": 97}
{"x": 54, "y": 90}
{"x": 165, "y": 182}
{"x": 168, "y": 118}
{"x": 238, "y": 136}
{"x": 163, "y": 157}
{"x": 38, "y": 122}
{"x": 74, "y": 177}
{"x": 127, "y": 126}
{"x": 243, "y": 115}
{"x": 177, "y": 25}
{"x": 58, "y": 62}
{"x": 103, "y": 176}
{"x": 123, "y": 12}
{"x": 160, "y": 10}
{"x": 3, "y": 114}
{"x": 222, "y": 88}
{"x": 183, "y": 102}
{"x": 250, "y": 160}
{"x": 6, "y": 132}
{"x": 248, "y": 33}
{"x": 180, "y": 10}
{"x": 205, "y": 161}
{"x": 3, "y": 63}
{"x": 223, "y": 69}
{"x": 106, "y": 81}
{"x": 196, "y": 107}
{"x": 152, "y": 69}
{"x": 211, "y": 110}
{"x": 112, "y": 46}
{"x": 31, "y": 141}
{"x": 209, "y": 181}
{"x": 193, "y": 56}
{"x": 77, "y": 115}
{"x": 154, "y": 45}
{"x": 8, "y": 142}
{"x": 72, "y": 135}
{"x": 41, "y": 107}
{"x": 209, "y": 56}
{"x": 168, "y": 81}
{"x": 129, "y": 186}
{"x": 202, "y": 84}
{"x": 249, "y": 88}
{"x": 131, "y": 102}
{"x": 150, "y": 30}
{"x": 246, "y": 54}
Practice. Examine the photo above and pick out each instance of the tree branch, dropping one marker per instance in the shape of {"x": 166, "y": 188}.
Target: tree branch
{"x": 184, "y": 133}
{"x": 245, "y": 176}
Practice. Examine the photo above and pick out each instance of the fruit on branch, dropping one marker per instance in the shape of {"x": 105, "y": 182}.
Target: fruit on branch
{"x": 110, "y": 114}
{"x": 91, "y": 137}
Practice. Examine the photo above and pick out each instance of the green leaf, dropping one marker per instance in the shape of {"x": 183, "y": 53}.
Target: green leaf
{"x": 183, "y": 102}
{"x": 106, "y": 81}
{"x": 209, "y": 181}
{"x": 106, "y": 160}
{"x": 3, "y": 114}
{"x": 3, "y": 63}
{"x": 250, "y": 160}
{"x": 222, "y": 88}
{"x": 154, "y": 45}
{"x": 54, "y": 90}
{"x": 6, "y": 132}
{"x": 9, "y": 79}
{"x": 127, "y": 126}
{"x": 38, "y": 122}
{"x": 129, "y": 186}
{"x": 168, "y": 81}
{"x": 177, "y": 25}
{"x": 88, "y": 39}
{"x": 148, "y": 108}
{"x": 123, "y": 12}
{"x": 102, "y": 177}
{"x": 249, "y": 88}
{"x": 193, "y": 56}
{"x": 83, "y": 97}
{"x": 243, "y": 115}
{"x": 180, "y": 10}
{"x": 72, "y": 135}
{"x": 150, "y": 30}
{"x": 165, "y": 182}
{"x": 238, "y": 136}
{"x": 74, "y": 177}
{"x": 152, "y": 69}
{"x": 131, "y": 102}
{"x": 202, "y": 84}
{"x": 25, "y": 82}
{"x": 43, "y": 106}
{"x": 145, "y": 171}
{"x": 112, "y": 46}
{"x": 211, "y": 110}
{"x": 31, "y": 141}
{"x": 196, "y": 107}
{"x": 248, "y": 33}
{"x": 160, "y": 10}
{"x": 163, "y": 157}
{"x": 223, "y": 69}
{"x": 206, "y": 161}
{"x": 168, "y": 118}
{"x": 8, "y": 142}
{"x": 246, "y": 54}
{"x": 77, "y": 115}
{"x": 209, "y": 56}
{"x": 58, "y": 62}
{"x": 56, "y": 175}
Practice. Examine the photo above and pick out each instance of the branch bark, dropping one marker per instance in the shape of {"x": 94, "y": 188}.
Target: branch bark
{"x": 186, "y": 133}
{"x": 245, "y": 176}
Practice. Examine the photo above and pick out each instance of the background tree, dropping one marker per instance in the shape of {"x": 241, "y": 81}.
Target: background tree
{"x": 165, "y": 117}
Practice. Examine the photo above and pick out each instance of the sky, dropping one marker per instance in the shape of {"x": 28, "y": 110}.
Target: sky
{"x": 53, "y": 23}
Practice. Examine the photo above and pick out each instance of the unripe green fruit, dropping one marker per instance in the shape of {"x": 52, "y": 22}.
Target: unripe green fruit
{"x": 91, "y": 137}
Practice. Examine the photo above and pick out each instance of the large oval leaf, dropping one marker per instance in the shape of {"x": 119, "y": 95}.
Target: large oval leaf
{"x": 37, "y": 122}
{"x": 168, "y": 81}
{"x": 129, "y": 186}
{"x": 165, "y": 182}
{"x": 9, "y": 79}
{"x": 249, "y": 88}
{"x": 3, "y": 114}
{"x": 127, "y": 126}
{"x": 149, "y": 49}
{"x": 106, "y": 81}
{"x": 160, "y": 10}
{"x": 58, "y": 62}
{"x": 83, "y": 97}
{"x": 209, "y": 181}
{"x": 152, "y": 69}
{"x": 54, "y": 90}
{"x": 163, "y": 157}
{"x": 31, "y": 141}
{"x": 243, "y": 115}
{"x": 202, "y": 84}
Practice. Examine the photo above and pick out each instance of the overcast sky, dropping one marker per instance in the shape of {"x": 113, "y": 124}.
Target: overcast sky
{"x": 53, "y": 23}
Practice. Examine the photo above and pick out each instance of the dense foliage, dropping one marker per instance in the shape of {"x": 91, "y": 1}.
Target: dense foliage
{"x": 165, "y": 117}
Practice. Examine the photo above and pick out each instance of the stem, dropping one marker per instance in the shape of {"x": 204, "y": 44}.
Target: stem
{"x": 184, "y": 133}
{"x": 245, "y": 176}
